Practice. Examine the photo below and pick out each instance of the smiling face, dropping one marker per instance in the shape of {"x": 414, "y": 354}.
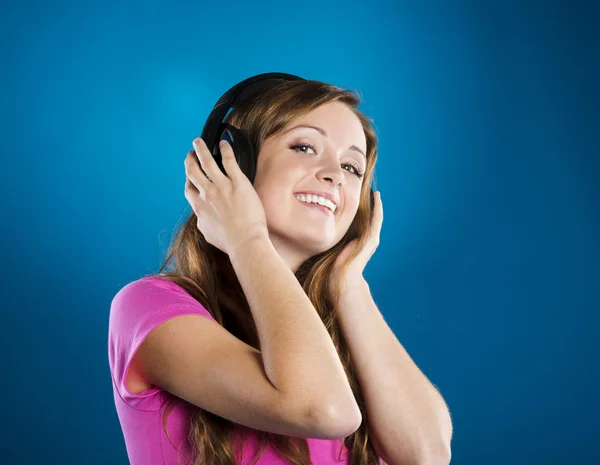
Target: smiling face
{"x": 301, "y": 159}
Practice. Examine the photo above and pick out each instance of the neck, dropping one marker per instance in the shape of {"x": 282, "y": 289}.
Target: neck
{"x": 291, "y": 255}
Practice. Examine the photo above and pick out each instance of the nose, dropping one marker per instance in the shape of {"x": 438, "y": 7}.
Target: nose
{"x": 332, "y": 172}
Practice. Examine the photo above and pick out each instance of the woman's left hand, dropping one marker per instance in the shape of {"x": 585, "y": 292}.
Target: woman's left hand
{"x": 358, "y": 265}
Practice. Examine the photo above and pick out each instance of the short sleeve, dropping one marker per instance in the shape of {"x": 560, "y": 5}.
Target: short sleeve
{"x": 137, "y": 309}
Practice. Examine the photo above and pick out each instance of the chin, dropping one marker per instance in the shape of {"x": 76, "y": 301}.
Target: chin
{"x": 315, "y": 246}
{"x": 308, "y": 243}
{"x": 308, "y": 234}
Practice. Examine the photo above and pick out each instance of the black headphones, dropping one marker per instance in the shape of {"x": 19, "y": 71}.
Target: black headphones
{"x": 216, "y": 130}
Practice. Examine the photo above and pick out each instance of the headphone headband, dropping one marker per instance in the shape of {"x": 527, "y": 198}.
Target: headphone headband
{"x": 236, "y": 96}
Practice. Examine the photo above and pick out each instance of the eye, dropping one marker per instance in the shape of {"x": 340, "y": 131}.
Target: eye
{"x": 357, "y": 171}
{"x": 300, "y": 145}
{"x": 296, "y": 147}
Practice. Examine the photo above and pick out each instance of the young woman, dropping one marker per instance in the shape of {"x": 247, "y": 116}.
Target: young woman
{"x": 236, "y": 354}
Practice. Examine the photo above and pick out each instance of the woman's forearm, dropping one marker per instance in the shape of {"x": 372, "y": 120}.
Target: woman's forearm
{"x": 299, "y": 356}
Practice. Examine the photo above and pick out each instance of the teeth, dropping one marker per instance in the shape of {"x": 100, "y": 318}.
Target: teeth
{"x": 318, "y": 200}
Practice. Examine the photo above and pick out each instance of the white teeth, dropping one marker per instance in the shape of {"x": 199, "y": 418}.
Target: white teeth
{"x": 308, "y": 198}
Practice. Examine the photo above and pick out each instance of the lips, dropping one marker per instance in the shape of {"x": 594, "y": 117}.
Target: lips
{"x": 325, "y": 195}
{"x": 316, "y": 206}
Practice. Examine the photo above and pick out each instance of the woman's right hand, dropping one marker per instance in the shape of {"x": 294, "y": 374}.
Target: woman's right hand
{"x": 228, "y": 208}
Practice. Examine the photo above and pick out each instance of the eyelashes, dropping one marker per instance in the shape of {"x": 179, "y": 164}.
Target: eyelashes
{"x": 300, "y": 145}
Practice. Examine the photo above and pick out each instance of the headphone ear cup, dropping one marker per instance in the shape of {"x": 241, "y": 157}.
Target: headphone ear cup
{"x": 242, "y": 149}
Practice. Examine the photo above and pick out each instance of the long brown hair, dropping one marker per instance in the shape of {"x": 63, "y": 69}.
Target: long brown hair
{"x": 206, "y": 273}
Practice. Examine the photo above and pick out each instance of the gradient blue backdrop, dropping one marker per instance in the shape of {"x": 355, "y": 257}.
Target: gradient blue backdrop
{"x": 488, "y": 269}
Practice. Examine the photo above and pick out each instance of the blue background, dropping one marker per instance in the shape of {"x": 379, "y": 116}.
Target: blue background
{"x": 488, "y": 269}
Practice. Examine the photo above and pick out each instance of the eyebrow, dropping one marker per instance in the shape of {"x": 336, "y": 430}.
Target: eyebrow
{"x": 324, "y": 134}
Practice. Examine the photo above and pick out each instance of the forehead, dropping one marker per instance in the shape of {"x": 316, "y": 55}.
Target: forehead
{"x": 337, "y": 120}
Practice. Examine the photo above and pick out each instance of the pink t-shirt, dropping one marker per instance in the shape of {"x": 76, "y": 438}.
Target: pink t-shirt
{"x": 135, "y": 311}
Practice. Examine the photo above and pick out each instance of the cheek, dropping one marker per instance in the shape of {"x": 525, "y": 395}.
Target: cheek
{"x": 353, "y": 201}
{"x": 275, "y": 198}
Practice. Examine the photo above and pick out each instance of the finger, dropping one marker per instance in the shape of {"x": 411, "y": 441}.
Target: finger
{"x": 207, "y": 162}
{"x": 194, "y": 197}
{"x": 379, "y": 206}
{"x": 190, "y": 188}
{"x": 377, "y": 215}
{"x": 229, "y": 162}
{"x": 194, "y": 173}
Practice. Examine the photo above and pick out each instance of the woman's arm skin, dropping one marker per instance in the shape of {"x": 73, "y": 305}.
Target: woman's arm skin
{"x": 299, "y": 356}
